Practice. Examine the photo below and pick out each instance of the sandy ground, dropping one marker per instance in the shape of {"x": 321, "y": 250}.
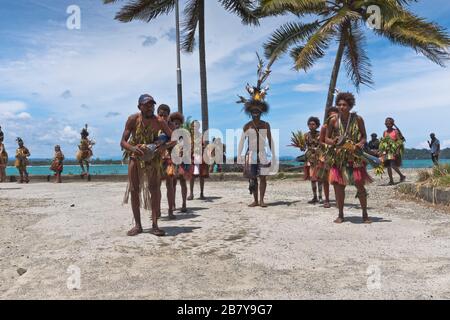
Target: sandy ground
{"x": 221, "y": 248}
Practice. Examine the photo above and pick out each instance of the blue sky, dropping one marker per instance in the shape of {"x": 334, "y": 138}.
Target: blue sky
{"x": 54, "y": 80}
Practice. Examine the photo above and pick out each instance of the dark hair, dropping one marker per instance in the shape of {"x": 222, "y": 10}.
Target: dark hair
{"x": 332, "y": 109}
{"x": 176, "y": 116}
{"x": 347, "y": 97}
{"x": 315, "y": 120}
{"x": 389, "y": 119}
{"x": 164, "y": 107}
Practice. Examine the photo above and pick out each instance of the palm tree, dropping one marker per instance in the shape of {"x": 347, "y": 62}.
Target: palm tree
{"x": 343, "y": 20}
{"x": 194, "y": 17}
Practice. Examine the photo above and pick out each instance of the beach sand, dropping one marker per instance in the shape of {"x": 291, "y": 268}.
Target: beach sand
{"x": 220, "y": 248}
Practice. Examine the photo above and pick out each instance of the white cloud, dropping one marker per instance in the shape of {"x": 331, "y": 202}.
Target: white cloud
{"x": 12, "y": 106}
{"x": 309, "y": 87}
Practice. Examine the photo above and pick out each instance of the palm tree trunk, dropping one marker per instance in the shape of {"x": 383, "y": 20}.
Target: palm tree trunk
{"x": 202, "y": 54}
{"x": 335, "y": 74}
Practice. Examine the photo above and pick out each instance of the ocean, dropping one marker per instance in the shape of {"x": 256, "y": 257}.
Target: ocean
{"x": 118, "y": 169}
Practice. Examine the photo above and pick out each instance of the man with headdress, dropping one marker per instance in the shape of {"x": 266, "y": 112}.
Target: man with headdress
{"x": 3, "y": 157}
{"x": 22, "y": 154}
{"x": 258, "y": 132}
{"x": 144, "y": 139}
{"x": 84, "y": 152}
{"x": 168, "y": 168}
{"x": 182, "y": 170}
{"x": 57, "y": 164}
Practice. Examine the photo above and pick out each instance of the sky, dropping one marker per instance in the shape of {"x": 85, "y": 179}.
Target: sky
{"x": 54, "y": 80}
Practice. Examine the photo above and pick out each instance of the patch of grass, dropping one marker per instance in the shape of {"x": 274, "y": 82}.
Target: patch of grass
{"x": 438, "y": 177}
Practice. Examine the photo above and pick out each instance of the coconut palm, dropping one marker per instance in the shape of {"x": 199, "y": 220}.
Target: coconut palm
{"x": 343, "y": 21}
{"x": 194, "y": 17}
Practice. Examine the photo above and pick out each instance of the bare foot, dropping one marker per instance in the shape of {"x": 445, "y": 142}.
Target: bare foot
{"x": 402, "y": 178}
{"x": 339, "y": 220}
{"x": 253, "y": 204}
{"x": 202, "y": 197}
{"x": 367, "y": 220}
{"x": 263, "y": 205}
{"x": 313, "y": 201}
{"x": 172, "y": 216}
{"x": 191, "y": 197}
{"x": 326, "y": 205}
{"x": 183, "y": 209}
{"x": 157, "y": 232}
{"x": 134, "y": 232}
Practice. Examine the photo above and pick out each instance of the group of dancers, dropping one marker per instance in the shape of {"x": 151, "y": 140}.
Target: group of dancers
{"x": 83, "y": 156}
{"x": 336, "y": 154}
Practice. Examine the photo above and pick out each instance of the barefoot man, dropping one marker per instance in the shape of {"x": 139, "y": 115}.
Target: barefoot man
{"x": 144, "y": 169}
{"x": 257, "y": 133}
{"x": 346, "y": 134}
{"x": 84, "y": 153}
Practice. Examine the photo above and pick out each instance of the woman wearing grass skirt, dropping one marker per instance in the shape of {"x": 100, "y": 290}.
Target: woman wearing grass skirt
{"x": 391, "y": 147}
{"x": 347, "y": 136}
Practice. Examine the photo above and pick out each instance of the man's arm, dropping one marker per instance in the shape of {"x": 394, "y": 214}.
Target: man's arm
{"x": 241, "y": 143}
{"x": 269, "y": 135}
{"x": 129, "y": 127}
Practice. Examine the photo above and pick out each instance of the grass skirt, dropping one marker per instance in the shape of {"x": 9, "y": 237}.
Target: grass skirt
{"x": 349, "y": 175}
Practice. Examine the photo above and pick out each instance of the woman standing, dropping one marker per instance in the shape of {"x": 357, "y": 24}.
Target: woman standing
{"x": 391, "y": 147}
{"x": 22, "y": 154}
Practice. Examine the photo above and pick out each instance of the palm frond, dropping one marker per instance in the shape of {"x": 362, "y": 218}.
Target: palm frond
{"x": 298, "y": 7}
{"x": 145, "y": 10}
{"x": 190, "y": 23}
{"x": 245, "y": 9}
{"x": 317, "y": 43}
{"x": 286, "y": 36}
{"x": 424, "y": 37}
{"x": 355, "y": 57}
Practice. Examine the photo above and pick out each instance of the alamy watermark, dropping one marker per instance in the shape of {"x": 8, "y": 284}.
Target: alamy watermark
{"x": 73, "y": 22}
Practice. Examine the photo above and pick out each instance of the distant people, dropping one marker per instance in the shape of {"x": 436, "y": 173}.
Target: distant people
{"x": 219, "y": 146}
{"x": 374, "y": 144}
{"x": 3, "y": 158}
{"x": 22, "y": 154}
{"x": 392, "y": 149}
{"x": 57, "y": 164}
{"x": 84, "y": 153}
{"x": 139, "y": 140}
{"x": 199, "y": 168}
{"x": 435, "y": 148}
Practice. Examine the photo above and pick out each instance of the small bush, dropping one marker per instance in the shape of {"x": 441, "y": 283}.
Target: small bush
{"x": 423, "y": 175}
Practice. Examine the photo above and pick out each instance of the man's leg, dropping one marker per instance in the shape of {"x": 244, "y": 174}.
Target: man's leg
{"x": 133, "y": 176}
{"x": 82, "y": 167}
{"x": 340, "y": 198}
{"x": 255, "y": 194}
{"x": 262, "y": 190}
{"x": 314, "y": 190}
{"x": 362, "y": 195}
{"x": 170, "y": 196}
{"x": 154, "y": 183}
{"x": 191, "y": 185}
{"x": 326, "y": 191}
{"x": 202, "y": 187}
{"x": 21, "y": 175}
{"x": 183, "y": 194}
